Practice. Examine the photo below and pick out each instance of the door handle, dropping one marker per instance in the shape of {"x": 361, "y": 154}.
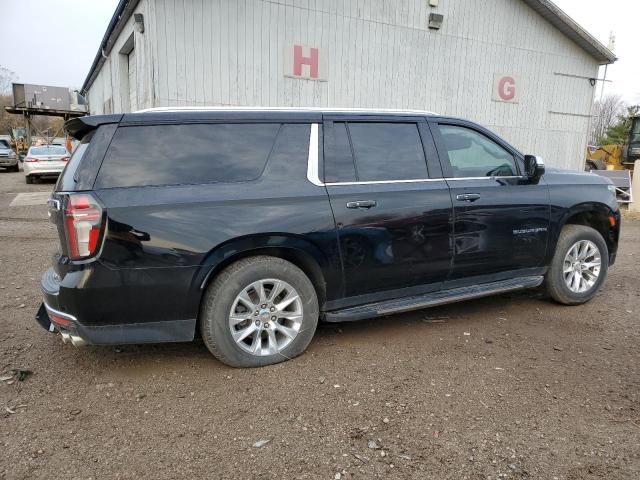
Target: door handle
{"x": 362, "y": 204}
{"x": 468, "y": 197}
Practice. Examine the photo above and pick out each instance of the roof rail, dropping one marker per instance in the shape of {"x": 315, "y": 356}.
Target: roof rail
{"x": 284, "y": 109}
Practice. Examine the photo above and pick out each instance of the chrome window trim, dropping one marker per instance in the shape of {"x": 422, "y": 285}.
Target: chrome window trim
{"x": 485, "y": 178}
{"x": 381, "y": 182}
{"x": 313, "y": 169}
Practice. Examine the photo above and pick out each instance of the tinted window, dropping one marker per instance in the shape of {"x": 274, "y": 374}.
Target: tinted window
{"x": 387, "y": 151}
{"x": 186, "y": 154}
{"x": 338, "y": 160}
{"x": 471, "y": 154}
{"x": 4, "y": 144}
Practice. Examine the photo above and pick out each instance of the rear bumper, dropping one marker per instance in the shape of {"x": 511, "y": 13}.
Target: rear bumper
{"x": 8, "y": 162}
{"x": 43, "y": 173}
{"x": 41, "y": 168}
{"x": 60, "y": 305}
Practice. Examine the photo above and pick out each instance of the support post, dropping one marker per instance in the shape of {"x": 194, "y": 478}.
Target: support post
{"x": 28, "y": 125}
{"x": 635, "y": 188}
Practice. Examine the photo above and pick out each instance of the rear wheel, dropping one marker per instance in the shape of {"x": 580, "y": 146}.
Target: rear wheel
{"x": 28, "y": 179}
{"x": 579, "y": 265}
{"x": 259, "y": 311}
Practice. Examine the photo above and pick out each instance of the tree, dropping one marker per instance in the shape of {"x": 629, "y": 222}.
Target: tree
{"x": 606, "y": 113}
{"x": 618, "y": 132}
{"x": 7, "y": 77}
{"x": 8, "y": 121}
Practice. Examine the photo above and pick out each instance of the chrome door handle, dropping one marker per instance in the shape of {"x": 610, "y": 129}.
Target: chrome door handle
{"x": 468, "y": 197}
{"x": 362, "y": 204}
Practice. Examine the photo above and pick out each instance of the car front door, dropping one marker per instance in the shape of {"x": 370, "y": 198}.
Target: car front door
{"x": 393, "y": 218}
{"x": 501, "y": 219}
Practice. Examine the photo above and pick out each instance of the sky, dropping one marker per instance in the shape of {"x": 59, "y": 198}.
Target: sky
{"x": 54, "y": 42}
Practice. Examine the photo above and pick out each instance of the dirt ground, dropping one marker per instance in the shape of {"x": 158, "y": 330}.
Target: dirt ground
{"x": 511, "y": 387}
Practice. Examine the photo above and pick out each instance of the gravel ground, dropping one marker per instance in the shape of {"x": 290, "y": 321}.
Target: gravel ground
{"x": 507, "y": 387}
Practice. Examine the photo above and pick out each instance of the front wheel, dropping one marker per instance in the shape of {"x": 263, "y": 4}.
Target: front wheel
{"x": 579, "y": 265}
{"x": 259, "y": 311}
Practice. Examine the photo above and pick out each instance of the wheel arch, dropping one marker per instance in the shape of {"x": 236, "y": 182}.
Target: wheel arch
{"x": 598, "y": 216}
{"x": 299, "y": 251}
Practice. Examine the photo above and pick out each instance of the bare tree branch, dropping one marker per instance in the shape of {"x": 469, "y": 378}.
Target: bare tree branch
{"x": 7, "y": 77}
{"x": 605, "y": 115}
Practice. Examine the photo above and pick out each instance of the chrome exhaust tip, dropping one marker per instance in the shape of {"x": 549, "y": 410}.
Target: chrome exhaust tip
{"x": 77, "y": 341}
{"x": 66, "y": 337}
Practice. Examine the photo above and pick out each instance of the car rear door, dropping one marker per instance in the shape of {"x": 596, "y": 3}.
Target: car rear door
{"x": 392, "y": 211}
{"x": 501, "y": 220}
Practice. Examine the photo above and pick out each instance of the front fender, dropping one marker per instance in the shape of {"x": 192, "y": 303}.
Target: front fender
{"x": 598, "y": 212}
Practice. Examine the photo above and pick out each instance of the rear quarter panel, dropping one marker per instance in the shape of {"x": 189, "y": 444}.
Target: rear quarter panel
{"x": 162, "y": 242}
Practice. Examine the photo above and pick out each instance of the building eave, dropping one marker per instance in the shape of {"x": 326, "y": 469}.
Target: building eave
{"x": 546, "y": 8}
{"x": 571, "y": 29}
{"x": 123, "y": 12}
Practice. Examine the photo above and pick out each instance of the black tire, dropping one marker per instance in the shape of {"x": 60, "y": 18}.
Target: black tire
{"x": 221, "y": 294}
{"x": 28, "y": 179}
{"x": 554, "y": 280}
{"x": 595, "y": 165}
{"x": 15, "y": 168}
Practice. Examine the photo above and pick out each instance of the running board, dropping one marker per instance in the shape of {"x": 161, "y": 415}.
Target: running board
{"x": 399, "y": 305}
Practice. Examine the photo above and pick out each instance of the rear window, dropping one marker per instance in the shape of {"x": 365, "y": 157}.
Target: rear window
{"x": 67, "y": 181}
{"x": 50, "y": 150}
{"x": 4, "y": 144}
{"x": 382, "y": 152}
{"x": 186, "y": 154}
{"x": 387, "y": 151}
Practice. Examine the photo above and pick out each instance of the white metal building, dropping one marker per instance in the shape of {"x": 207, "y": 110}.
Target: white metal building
{"x": 521, "y": 67}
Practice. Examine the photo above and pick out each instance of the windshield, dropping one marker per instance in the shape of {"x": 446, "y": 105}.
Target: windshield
{"x": 635, "y": 131}
{"x": 49, "y": 150}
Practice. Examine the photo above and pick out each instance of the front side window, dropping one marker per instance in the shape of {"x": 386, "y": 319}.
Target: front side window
{"x": 374, "y": 152}
{"x": 635, "y": 131}
{"x": 471, "y": 154}
{"x": 186, "y": 154}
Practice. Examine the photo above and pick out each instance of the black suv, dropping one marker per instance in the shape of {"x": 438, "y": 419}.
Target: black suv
{"x": 252, "y": 225}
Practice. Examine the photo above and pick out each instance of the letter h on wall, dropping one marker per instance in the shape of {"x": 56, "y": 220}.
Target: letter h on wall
{"x": 312, "y": 61}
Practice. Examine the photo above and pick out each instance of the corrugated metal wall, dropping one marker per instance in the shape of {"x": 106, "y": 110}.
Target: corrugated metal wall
{"x": 377, "y": 53}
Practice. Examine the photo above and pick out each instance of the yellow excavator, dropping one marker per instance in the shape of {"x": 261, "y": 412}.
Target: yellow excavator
{"x": 605, "y": 157}
{"x": 616, "y": 157}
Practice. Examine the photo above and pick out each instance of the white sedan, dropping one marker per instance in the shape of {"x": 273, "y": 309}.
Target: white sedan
{"x": 45, "y": 161}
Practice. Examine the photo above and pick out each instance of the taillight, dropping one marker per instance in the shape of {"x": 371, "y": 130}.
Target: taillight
{"x": 65, "y": 159}
{"x": 83, "y": 225}
{"x": 65, "y": 322}
{"x": 30, "y": 159}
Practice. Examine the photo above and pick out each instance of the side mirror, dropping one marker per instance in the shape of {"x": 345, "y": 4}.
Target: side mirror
{"x": 533, "y": 167}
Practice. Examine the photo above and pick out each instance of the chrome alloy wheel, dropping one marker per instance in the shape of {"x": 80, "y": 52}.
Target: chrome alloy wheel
{"x": 581, "y": 267}
{"x": 265, "y": 317}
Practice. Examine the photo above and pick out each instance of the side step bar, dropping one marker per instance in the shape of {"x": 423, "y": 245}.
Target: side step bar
{"x": 433, "y": 299}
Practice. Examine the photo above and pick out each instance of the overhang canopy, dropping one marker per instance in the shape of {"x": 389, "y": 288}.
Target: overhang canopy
{"x": 567, "y": 25}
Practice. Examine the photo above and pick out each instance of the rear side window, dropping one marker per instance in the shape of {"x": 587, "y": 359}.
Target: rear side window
{"x": 338, "y": 159}
{"x": 186, "y": 154}
{"x": 382, "y": 152}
